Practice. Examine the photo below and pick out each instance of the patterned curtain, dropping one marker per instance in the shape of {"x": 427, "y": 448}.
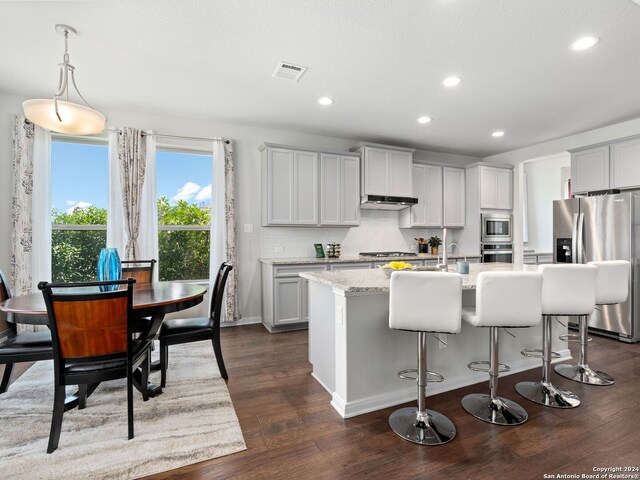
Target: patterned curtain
{"x": 223, "y": 223}
{"x": 22, "y": 207}
{"x": 133, "y": 162}
{"x": 30, "y": 209}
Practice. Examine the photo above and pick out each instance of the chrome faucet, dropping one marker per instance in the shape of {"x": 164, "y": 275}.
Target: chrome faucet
{"x": 443, "y": 266}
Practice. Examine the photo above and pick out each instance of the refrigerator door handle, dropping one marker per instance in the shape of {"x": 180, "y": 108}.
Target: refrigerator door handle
{"x": 574, "y": 239}
{"x": 581, "y": 238}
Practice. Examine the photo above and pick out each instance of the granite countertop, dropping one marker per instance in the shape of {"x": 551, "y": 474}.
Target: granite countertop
{"x": 375, "y": 281}
{"x": 525, "y": 253}
{"x": 308, "y": 260}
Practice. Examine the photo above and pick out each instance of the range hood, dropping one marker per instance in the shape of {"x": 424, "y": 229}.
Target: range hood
{"x": 381, "y": 202}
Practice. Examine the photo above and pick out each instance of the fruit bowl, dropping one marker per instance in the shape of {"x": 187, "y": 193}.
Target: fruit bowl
{"x": 391, "y": 267}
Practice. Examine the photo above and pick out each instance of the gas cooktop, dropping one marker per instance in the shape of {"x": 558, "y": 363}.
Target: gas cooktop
{"x": 388, "y": 254}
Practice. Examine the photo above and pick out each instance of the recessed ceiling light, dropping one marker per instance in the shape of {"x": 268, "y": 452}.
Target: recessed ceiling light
{"x": 498, "y": 133}
{"x": 424, "y": 119}
{"x": 584, "y": 43}
{"x": 325, "y": 101}
{"x": 451, "y": 81}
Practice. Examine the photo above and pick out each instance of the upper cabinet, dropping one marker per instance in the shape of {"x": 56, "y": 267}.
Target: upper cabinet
{"x": 615, "y": 165}
{"x": 496, "y": 188}
{"x": 590, "y": 169}
{"x": 441, "y": 198}
{"x": 309, "y": 188}
{"x": 386, "y": 171}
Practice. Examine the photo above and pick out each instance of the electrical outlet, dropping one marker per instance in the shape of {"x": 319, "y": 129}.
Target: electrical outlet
{"x": 248, "y": 228}
{"x": 443, "y": 337}
{"x": 278, "y": 249}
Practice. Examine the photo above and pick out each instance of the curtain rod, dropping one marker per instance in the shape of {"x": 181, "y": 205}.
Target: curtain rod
{"x": 183, "y": 137}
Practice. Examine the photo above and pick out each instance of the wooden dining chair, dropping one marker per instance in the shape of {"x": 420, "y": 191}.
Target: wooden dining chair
{"x": 187, "y": 330}
{"x": 141, "y": 270}
{"x": 19, "y": 348}
{"x": 92, "y": 342}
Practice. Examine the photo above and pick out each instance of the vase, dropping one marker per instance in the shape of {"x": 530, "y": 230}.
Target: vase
{"x": 434, "y": 250}
{"x": 109, "y": 268}
{"x": 423, "y": 248}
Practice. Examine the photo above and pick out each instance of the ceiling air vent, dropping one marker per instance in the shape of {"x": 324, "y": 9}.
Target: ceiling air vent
{"x": 289, "y": 71}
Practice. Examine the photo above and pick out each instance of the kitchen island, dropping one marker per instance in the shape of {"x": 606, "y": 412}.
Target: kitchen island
{"x": 356, "y": 356}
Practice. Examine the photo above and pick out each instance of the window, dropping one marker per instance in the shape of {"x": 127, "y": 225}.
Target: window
{"x": 79, "y": 178}
{"x": 184, "y": 205}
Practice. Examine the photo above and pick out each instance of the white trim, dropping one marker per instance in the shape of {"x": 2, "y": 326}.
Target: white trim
{"x": 242, "y": 321}
{"x": 378, "y": 402}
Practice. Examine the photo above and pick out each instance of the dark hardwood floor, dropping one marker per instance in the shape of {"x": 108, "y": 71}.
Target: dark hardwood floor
{"x": 292, "y": 432}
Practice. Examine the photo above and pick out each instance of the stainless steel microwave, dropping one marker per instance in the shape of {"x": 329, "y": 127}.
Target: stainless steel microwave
{"x": 497, "y": 228}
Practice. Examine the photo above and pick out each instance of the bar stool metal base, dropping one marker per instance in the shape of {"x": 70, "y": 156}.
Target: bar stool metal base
{"x": 548, "y": 395}
{"x": 430, "y": 429}
{"x": 584, "y": 374}
{"x": 497, "y": 410}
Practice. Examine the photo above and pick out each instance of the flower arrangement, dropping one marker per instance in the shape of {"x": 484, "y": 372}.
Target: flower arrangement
{"x": 390, "y": 267}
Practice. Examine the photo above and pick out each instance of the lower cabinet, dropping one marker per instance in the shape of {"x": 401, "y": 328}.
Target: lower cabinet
{"x": 284, "y": 296}
{"x": 537, "y": 258}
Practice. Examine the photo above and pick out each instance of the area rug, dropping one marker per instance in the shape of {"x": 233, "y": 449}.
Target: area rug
{"x": 193, "y": 420}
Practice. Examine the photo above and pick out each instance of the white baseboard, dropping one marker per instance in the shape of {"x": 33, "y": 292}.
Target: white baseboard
{"x": 242, "y": 321}
{"x": 389, "y": 399}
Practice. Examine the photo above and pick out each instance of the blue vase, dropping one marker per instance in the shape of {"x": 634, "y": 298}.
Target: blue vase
{"x": 109, "y": 268}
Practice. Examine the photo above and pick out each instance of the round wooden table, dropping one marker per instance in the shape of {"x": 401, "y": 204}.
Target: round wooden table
{"x": 153, "y": 300}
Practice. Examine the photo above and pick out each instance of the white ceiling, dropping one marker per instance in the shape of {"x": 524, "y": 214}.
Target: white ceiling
{"x": 381, "y": 61}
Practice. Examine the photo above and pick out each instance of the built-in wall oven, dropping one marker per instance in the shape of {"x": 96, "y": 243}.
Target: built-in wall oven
{"x": 497, "y": 252}
{"x": 496, "y": 228}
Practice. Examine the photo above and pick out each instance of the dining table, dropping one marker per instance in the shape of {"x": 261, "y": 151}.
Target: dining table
{"x": 150, "y": 300}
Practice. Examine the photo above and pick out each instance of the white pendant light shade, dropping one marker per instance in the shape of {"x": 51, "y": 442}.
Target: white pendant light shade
{"x": 76, "y": 119}
{"x": 63, "y": 116}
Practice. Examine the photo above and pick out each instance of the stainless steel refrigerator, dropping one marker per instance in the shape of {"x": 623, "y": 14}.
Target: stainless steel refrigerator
{"x": 605, "y": 227}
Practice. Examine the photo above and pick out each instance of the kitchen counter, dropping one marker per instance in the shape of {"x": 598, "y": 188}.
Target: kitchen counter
{"x": 355, "y": 356}
{"x": 375, "y": 281}
{"x": 358, "y": 259}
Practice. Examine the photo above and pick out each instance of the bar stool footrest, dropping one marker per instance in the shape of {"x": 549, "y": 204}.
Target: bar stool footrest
{"x": 537, "y": 353}
{"x": 478, "y": 366}
{"x": 405, "y": 375}
{"x": 572, "y": 338}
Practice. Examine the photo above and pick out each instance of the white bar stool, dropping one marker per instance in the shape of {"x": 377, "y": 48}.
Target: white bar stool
{"x": 566, "y": 290}
{"x": 612, "y": 287}
{"x": 503, "y": 299}
{"x": 424, "y": 302}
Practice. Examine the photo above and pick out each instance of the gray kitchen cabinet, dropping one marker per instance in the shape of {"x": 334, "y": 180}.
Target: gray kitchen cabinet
{"x": 306, "y": 187}
{"x": 290, "y": 184}
{"x": 590, "y": 169}
{"x": 350, "y": 266}
{"x": 284, "y": 296}
{"x": 453, "y": 193}
{"x": 625, "y": 163}
{"x": 496, "y": 188}
{"x": 428, "y": 189}
{"x": 530, "y": 259}
{"x": 537, "y": 258}
{"x": 386, "y": 170}
{"x": 339, "y": 190}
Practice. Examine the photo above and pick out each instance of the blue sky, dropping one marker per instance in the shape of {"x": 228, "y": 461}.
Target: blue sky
{"x": 79, "y": 176}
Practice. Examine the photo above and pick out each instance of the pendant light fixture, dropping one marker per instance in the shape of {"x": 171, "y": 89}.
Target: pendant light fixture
{"x": 63, "y": 116}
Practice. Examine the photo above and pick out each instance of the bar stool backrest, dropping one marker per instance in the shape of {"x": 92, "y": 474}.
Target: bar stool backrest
{"x": 612, "y": 281}
{"x": 508, "y": 299}
{"x": 425, "y": 301}
{"x": 568, "y": 289}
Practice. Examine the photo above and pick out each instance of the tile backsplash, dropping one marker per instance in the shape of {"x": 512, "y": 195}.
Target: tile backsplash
{"x": 378, "y": 231}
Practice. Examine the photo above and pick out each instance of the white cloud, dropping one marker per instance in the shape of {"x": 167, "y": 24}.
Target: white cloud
{"x": 204, "y": 195}
{"x": 73, "y": 205}
{"x": 186, "y": 192}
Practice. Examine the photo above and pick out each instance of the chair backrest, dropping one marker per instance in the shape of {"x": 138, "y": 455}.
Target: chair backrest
{"x": 425, "y": 301}
{"x": 6, "y": 328}
{"x": 140, "y": 270}
{"x": 217, "y": 295}
{"x": 568, "y": 289}
{"x": 87, "y": 324}
{"x": 612, "y": 281}
{"x": 508, "y": 299}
